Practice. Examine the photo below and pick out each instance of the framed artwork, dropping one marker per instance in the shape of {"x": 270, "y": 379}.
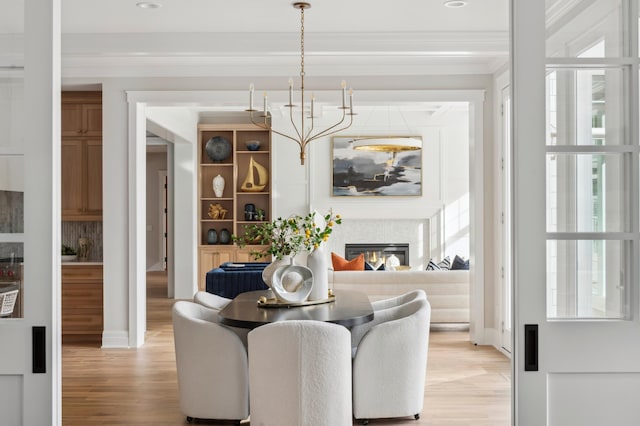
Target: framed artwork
{"x": 376, "y": 166}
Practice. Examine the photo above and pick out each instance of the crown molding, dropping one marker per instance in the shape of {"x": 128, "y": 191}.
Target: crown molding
{"x": 274, "y": 54}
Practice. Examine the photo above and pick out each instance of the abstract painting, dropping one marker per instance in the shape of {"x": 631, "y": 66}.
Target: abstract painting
{"x": 376, "y": 166}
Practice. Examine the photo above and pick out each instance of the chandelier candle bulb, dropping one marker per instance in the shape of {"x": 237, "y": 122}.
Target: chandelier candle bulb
{"x": 265, "y": 104}
{"x": 251, "y": 97}
{"x": 344, "y": 93}
{"x": 351, "y": 102}
{"x": 313, "y": 101}
{"x": 290, "y": 92}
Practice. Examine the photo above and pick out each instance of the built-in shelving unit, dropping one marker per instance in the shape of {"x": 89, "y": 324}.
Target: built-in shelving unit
{"x": 247, "y": 176}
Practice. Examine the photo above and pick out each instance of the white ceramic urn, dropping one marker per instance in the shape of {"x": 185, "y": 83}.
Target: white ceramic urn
{"x": 218, "y": 186}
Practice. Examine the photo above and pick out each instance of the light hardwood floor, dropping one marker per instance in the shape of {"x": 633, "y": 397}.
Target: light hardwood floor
{"x": 466, "y": 384}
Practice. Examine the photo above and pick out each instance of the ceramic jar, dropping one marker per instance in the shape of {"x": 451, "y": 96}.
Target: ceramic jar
{"x": 218, "y": 186}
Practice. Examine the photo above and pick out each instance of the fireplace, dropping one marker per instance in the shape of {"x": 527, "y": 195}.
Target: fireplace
{"x": 401, "y": 251}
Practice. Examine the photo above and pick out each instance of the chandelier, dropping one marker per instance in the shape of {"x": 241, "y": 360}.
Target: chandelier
{"x": 303, "y": 135}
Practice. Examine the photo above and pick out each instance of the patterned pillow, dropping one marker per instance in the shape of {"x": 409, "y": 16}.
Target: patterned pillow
{"x": 342, "y": 264}
{"x": 433, "y": 266}
{"x": 459, "y": 263}
{"x": 445, "y": 263}
{"x": 368, "y": 267}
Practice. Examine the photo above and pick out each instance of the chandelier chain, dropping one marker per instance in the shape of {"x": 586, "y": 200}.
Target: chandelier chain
{"x": 302, "y": 42}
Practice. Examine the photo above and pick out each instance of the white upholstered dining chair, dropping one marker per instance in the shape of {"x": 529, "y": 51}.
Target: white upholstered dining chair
{"x": 212, "y": 364}
{"x": 300, "y": 374}
{"x": 381, "y": 313}
{"x": 390, "y": 364}
{"x": 210, "y": 300}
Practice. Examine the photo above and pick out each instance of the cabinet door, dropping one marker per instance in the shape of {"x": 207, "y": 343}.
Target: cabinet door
{"x": 211, "y": 258}
{"x": 72, "y": 177}
{"x": 244, "y": 255}
{"x": 92, "y": 119}
{"x": 82, "y": 303}
{"x": 93, "y": 203}
{"x": 71, "y": 119}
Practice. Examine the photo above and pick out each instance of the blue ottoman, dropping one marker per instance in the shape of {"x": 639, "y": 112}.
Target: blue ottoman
{"x": 228, "y": 280}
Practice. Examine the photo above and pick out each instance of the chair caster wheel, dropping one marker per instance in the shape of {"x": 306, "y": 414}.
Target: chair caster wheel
{"x": 189, "y": 419}
{"x": 365, "y": 421}
{"x": 416, "y": 416}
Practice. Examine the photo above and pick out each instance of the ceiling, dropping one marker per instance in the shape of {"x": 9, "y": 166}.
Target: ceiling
{"x": 231, "y": 38}
{"x": 251, "y": 16}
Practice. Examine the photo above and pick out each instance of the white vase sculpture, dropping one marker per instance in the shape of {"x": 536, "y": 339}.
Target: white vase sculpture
{"x": 218, "y": 186}
{"x": 267, "y": 272}
{"x": 292, "y": 283}
{"x": 318, "y": 263}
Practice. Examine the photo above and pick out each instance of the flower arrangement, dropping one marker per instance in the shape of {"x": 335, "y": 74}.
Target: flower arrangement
{"x": 315, "y": 234}
{"x": 288, "y": 236}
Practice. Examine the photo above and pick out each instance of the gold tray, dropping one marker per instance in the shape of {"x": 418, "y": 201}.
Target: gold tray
{"x": 275, "y": 303}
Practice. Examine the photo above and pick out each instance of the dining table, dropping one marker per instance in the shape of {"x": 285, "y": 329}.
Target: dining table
{"x": 247, "y": 310}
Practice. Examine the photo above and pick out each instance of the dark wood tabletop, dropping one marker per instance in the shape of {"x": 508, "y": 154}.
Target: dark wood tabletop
{"x": 349, "y": 308}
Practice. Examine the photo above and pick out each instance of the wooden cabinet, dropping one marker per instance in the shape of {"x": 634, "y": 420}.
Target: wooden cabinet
{"x": 81, "y": 178}
{"x": 81, "y": 156}
{"x": 247, "y": 176}
{"x": 82, "y": 303}
{"x": 211, "y": 257}
{"x": 81, "y": 114}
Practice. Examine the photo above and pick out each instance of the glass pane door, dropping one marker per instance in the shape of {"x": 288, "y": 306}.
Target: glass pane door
{"x": 11, "y": 194}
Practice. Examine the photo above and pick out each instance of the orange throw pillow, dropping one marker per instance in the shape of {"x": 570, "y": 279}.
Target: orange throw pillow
{"x": 342, "y": 264}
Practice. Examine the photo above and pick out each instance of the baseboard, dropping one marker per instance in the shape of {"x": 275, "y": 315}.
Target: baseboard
{"x": 494, "y": 339}
{"x": 115, "y": 340}
{"x": 449, "y": 326}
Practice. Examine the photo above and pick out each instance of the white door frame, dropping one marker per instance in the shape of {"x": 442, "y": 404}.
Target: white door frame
{"x": 505, "y": 219}
{"x": 138, "y": 100}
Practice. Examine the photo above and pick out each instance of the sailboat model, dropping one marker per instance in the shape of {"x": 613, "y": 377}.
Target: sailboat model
{"x": 249, "y": 183}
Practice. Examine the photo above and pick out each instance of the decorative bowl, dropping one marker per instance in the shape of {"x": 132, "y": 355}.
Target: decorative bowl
{"x": 69, "y": 257}
{"x": 218, "y": 148}
{"x": 253, "y": 145}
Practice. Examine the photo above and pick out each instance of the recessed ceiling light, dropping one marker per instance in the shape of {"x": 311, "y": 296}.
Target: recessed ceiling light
{"x": 455, "y": 4}
{"x": 148, "y": 5}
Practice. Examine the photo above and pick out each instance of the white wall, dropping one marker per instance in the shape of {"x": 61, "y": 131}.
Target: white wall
{"x": 445, "y": 167}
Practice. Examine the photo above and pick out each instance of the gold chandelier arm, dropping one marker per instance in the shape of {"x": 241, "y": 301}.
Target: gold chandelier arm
{"x": 330, "y": 130}
{"x": 263, "y": 125}
{"x": 293, "y": 122}
{"x": 286, "y": 136}
{"x": 307, "y": 137}
{"x": 266, "y": 126}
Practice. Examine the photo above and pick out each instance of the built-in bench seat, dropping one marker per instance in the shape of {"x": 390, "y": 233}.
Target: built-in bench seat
{"x": 447, "y": 291}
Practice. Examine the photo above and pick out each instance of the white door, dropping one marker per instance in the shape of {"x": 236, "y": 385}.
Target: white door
{"x": 30, "y": 141}
{"x": 575, "y": 199}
